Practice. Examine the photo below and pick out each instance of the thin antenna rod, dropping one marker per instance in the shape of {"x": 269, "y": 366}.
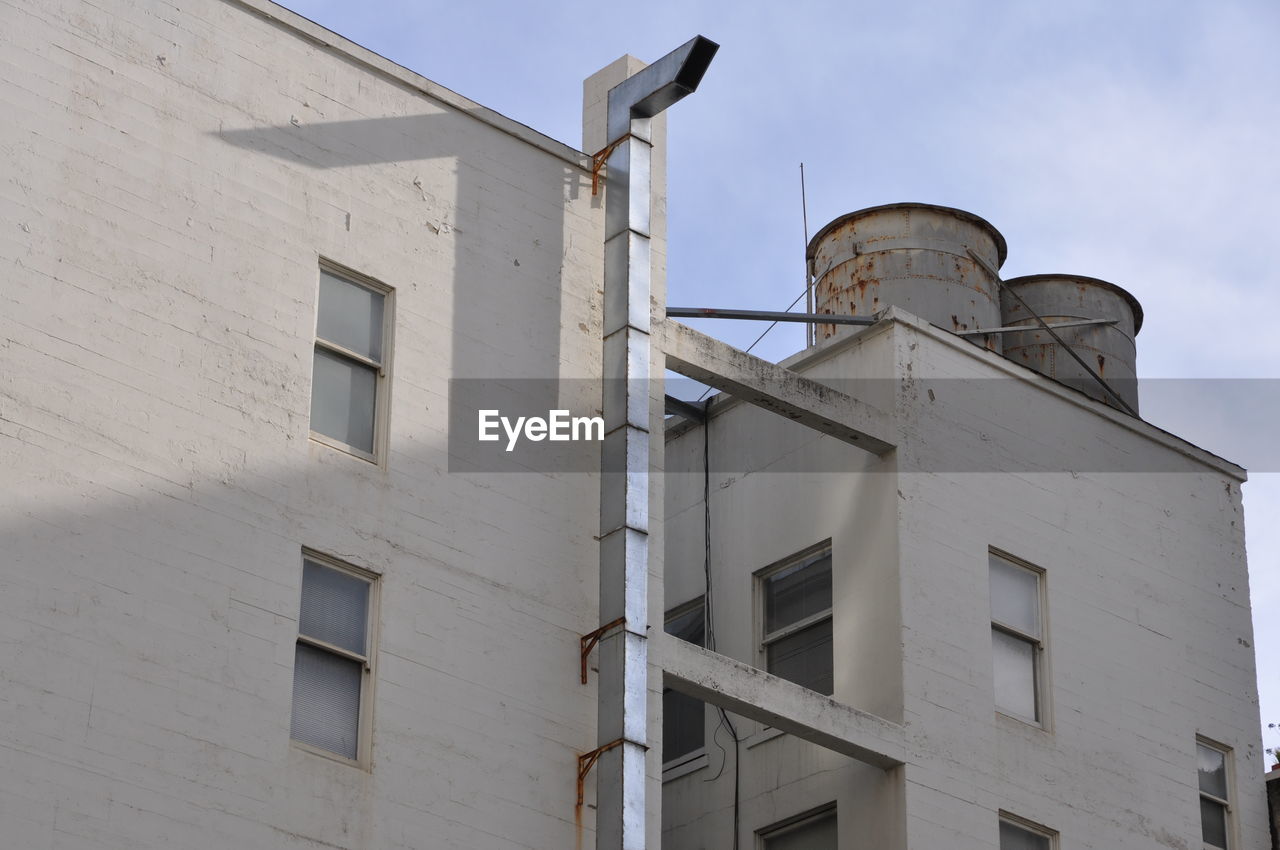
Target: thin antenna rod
{"x": 810, "y": 336}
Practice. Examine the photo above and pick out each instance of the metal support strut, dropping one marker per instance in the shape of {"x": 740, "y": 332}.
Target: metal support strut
{"x": 588, "y": 642}
{"x": 586, "y": 761}
{"x": 597, "y": 163}
{"x": 624, "y": 473}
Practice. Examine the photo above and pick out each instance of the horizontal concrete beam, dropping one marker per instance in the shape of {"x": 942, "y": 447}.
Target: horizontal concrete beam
{"x": 774, "y": 388}
{"x": 755, "y": 694}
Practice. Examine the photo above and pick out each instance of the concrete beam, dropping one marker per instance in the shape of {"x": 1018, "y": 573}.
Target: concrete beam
{"x": 755, "y": 694}
{"x": 774, "y": 388}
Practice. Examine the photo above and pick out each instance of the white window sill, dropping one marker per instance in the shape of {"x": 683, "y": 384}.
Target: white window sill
{"x": 1038, "y": 725}
{"x": 768, "y": 733}
{"x": 688, "y": 764}
{"x": 317, "y": 437}
{"x": 327, "y": 754}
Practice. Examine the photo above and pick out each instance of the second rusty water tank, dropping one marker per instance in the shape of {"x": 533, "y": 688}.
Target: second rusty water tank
{"x": 1109, "y": 350}
{"x": 915, "y": 256}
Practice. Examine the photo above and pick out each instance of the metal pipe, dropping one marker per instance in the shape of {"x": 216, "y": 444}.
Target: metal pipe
{"x": 624, "y": 479}
{"x": 1016, "y": 328}
{"x": 829, "y": 319}
{"x": 767, "y": 316}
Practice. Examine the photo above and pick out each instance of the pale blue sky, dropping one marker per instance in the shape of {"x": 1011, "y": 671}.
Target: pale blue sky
{"x": 1128, "y": 140}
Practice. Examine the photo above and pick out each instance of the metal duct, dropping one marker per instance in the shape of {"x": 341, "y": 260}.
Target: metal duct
{"x": 624, "y": 489}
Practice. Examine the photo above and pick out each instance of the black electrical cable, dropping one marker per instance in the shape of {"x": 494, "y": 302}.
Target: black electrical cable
{"x": 709, "y": 618}
{"x": 709, "y": 611}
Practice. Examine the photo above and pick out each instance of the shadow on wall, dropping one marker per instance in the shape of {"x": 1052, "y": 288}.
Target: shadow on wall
{"x": 153, "y": 560}
{"x": 363, "y": 141}
{"x": 149, "y": 621}
{"x": 508, "y": 253}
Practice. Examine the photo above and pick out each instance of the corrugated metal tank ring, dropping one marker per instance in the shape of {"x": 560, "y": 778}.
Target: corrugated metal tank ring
{"x": 1002, "y": 247}
{"x": 1127, "y": 296}
{"x": 912, "y": 255}
{"x": 1109, "y": 350}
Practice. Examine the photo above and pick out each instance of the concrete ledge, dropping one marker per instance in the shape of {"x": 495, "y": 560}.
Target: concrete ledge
{"x": 755, "y": 694}
{"x": 1012, "y": 369}
{"x": 775, "y": 388}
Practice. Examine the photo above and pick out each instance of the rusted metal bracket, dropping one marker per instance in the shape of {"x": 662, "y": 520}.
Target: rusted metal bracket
{"x": 598, "y": 160}
{"x": 586, "y": 761}
{"x": 588, "y": 642}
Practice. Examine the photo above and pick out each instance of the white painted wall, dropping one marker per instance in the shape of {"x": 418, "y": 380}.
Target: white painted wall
{"x": 1149, "y": 636}
{"x": 174, "y": 173}
{"x": 779, "y": 488}
{"x": 1149, "y": 631}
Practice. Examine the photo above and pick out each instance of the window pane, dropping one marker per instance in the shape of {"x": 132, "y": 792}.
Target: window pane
{"x": 796, "y": 592}
{"x": 1014, "y": 665}
{"x": 350, "y": 315}
{"x": 1015, "y": 596}
{"x": 1213, "y": 823}
{"x": 326, "y": 700}
{"x": 689, "y": 626}
{"x": 1016, "y": 838}
{"x": 804, "y": 657}
{"x": 335, "y": 607}
{"x": 814, "y": 835}
{"x": 342, "y": 399}
{"x": 683, "y": 730}
{"x": 682, "y": 715}
{"x": 1213, "y": 771}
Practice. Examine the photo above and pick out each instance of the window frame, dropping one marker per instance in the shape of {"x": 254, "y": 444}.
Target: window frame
{"x": 1039, "y": 643}
{"x": 795, "y": 823}
{"x": 1030, "y": 826}
{"x": 766, "y": 639}
{"x": 696, "y": 758}
{"x": 368, "y": 662}
{"x": 1228, "y": 811}
{"x": 382, "y": 368}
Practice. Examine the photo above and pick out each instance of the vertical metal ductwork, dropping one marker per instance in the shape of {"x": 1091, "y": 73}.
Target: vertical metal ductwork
{"x": 624, "y": 495}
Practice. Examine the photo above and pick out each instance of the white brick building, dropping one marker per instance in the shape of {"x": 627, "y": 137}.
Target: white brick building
{"x": 1145, "y": 630}
{"x": 254, "y": 593}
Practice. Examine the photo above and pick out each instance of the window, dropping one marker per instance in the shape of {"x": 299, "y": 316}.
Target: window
{"x": 1017, "y": 641}
{"x": 1215, "y": 808}
{"x": 683, "y": 726}
{"x": 797, "y": 620}
{"x": 349, "y": 366}
{"x": 808, "y": 832}
{"x": 333, "y": 658}
{"x": 1018, "y": 834}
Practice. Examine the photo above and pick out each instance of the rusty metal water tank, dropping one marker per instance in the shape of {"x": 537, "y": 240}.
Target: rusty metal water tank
{"x": 913, "y": 256}
{"x": 1109, "y": 350}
